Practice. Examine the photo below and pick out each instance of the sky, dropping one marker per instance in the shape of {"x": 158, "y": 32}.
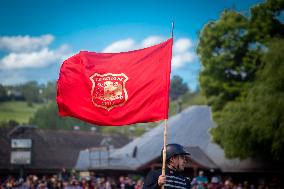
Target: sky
{"x": 37, "y": 36}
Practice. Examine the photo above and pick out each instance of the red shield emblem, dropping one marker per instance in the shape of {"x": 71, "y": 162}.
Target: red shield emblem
{"x": 108, "y": 90}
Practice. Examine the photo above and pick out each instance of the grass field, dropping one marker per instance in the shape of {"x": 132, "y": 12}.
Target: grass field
{"x": 18, "y": 111}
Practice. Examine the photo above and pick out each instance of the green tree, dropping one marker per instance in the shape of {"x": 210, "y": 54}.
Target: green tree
{"x": 239, "y": 60}
{"x": 31, "y": 92}
{"x": 177, "y": 88}
{"x": 228, "y": 63}
{"x": 47, "y": 118}
{"x": 255, "y": 126}
{"x": 49, "y": 91}
{"x": 267, "y": 20}
{"x": 3, "y": 93}
{"x": 8, "y": 124}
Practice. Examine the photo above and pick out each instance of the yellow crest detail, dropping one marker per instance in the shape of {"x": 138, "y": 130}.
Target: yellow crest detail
{"x": 108, "y": 90}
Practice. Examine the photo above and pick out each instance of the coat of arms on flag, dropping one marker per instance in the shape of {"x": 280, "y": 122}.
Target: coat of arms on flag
{"x": 108, "y": 90}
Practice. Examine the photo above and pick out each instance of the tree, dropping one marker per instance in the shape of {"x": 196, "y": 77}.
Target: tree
{"x": 3, "y": 93}
{"x": 228, "y": 63}
{"x": 255, "y": 126}
{"x": 47, "y": 118}
{"x": 49, "y": 91}
{"x": 8, "y": 124}
{"x": 31, "y": 92}
{"x": 267, "y": 20}
{"x": 239, "y": 59}
{"x": 177, "y": 88}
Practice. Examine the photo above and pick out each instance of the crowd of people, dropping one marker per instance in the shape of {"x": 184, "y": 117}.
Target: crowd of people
{"x": 219, "y": 182}
{"x": 72, "y": 180}
{"x": 65, "y": 180}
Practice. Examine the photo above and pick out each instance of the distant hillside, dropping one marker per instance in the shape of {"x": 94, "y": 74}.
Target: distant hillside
{"x": 17, "y": 110}
{"x": 20, "y": 112}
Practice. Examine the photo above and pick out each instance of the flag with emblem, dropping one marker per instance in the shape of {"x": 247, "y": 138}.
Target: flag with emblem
{"x": 116, "y": 89}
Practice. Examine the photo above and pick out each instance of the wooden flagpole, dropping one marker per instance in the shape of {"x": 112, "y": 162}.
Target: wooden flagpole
{"x": 165, "y": 129}
{"x": 164, "y": 148}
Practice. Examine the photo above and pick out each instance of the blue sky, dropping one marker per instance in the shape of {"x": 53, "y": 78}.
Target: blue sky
{"x": 36, "y": 36}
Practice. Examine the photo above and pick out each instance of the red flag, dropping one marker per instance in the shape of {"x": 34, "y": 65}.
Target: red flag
{"x": 116, "y": 88}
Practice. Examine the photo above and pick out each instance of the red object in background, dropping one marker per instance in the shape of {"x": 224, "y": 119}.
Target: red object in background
{"x": 116, "y": 88}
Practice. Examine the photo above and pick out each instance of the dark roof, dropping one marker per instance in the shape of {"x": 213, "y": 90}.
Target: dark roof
{"x": 54, "y": 149}
{"x": 189, "y": 128}
{"x": 197, "y": 155}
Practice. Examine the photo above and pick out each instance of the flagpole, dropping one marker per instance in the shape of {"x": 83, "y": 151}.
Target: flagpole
{"x": 165, "y": 127}
{"x": 164, "y": 149}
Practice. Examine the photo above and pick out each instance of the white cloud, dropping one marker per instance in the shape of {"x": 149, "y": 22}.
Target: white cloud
{"x": 30, "y": 52}
{"x": 180, "y": 59}
{"x": 129, "y": 44}
{"x": 34, "y": 59}
{"x": 152, "y": 40}
{"x": 24, "y": 43}
{"x": 182, "y": 45}
{"x": 183, "y": 52}
{"x": 120, "y": 46}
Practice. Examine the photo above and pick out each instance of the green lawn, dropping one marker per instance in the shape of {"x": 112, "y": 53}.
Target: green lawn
{"x": 18, "y": 111}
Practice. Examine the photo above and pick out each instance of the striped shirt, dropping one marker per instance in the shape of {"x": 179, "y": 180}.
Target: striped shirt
{"x": 174, "y": 180}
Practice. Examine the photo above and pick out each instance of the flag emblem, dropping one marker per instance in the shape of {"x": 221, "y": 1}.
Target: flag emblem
{"x": 108, "y": 90}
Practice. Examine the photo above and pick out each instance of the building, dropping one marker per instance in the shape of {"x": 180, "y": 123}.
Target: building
{"x": 190, "y": 128}
{"x": 48, "y": 151}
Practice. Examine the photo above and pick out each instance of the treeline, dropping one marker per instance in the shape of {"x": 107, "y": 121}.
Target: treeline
{"x": 47, "y": 116}
{"x": 31, "y": 92}
{"x": 34, "y": 92}
{"x": 243, "y": 81}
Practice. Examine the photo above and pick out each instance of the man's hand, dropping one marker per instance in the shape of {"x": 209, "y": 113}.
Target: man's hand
{"x": 161, "y": 180}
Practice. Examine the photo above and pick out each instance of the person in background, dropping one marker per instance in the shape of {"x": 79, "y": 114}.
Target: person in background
{"x": 215, "y": 183}
{"x": 202, "y": 181}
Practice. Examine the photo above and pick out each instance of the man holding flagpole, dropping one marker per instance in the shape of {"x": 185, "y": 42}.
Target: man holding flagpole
{"x": 176, "y": 159}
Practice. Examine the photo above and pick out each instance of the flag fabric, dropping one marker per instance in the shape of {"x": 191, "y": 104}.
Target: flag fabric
{"x": 116, "y": 89}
